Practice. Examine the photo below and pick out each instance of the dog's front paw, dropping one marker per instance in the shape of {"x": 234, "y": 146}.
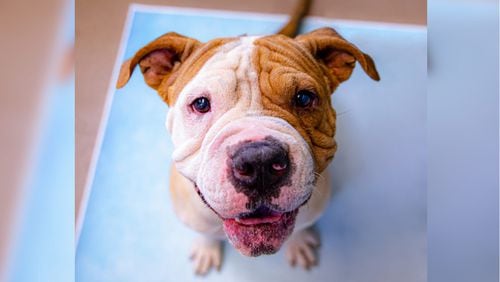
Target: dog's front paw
{"x": 302, "y": 248}
{"x": 206, "y": 253}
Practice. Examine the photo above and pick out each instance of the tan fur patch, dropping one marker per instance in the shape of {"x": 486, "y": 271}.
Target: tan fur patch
{"x": 285, "y": 67}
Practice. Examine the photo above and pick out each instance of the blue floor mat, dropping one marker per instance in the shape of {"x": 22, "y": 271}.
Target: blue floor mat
{"x": 374, "y": 229}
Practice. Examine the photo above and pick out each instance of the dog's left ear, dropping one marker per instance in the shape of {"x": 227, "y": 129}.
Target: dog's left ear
{"x": 337, "y": 54}
{"x": 159, "y": 59}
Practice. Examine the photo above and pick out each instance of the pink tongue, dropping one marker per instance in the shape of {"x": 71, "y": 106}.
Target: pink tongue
{"x": 256, "y": 220}
{"x": 255, "y": 237}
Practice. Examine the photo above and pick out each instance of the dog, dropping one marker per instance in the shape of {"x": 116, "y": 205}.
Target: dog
{"x": 253, "y": 127}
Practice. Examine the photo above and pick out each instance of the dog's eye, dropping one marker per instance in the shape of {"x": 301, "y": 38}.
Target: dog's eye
{"x": 304, "y": 99}
{"x": 201, "y": 105}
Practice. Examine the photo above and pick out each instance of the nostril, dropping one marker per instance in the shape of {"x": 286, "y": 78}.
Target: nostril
{"x": 279, "y": 168}
{"x": 245, "y": 169}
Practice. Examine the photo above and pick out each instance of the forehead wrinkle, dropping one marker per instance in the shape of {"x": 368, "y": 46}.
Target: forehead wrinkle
{"x": 287, "y": 52}
{"x": 235, "y": 56}
{"x": 247, "y": 90}
{"x": 249, "y": 77}
{"x": 290, "y": 52}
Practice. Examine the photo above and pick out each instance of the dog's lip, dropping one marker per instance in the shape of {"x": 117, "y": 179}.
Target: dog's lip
{"x": 260, "y": 238}
{"x": 246, "y": 218}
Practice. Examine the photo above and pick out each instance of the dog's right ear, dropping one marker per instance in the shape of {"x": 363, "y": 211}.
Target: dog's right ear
{"x": 159, "y": 59}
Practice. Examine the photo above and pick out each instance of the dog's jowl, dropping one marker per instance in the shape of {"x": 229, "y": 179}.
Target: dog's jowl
{"x": 253, "y": 128}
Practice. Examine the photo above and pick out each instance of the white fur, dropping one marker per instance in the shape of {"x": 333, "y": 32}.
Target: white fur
{"x": 230, "y": 80}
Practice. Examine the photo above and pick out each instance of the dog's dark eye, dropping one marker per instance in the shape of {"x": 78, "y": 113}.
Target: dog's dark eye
{"x": 201, "y": 105}
{"x": 304, "y": 99}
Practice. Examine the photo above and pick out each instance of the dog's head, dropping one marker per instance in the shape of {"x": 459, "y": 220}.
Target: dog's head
{"x": 252, "y": 122}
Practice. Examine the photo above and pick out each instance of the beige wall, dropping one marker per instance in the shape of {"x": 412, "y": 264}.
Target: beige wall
{"x": 99, "y": 24}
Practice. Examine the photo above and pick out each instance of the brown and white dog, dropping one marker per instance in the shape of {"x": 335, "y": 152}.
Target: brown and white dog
{"x": 253, "y": 128}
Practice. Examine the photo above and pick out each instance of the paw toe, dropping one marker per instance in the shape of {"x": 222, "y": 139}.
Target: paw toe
{"x": 301, "y": 249}
{"x": 205, "y": 256}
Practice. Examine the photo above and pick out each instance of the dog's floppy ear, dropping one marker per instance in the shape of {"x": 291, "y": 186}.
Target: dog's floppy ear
{"x": 337, "y": 54}
{"x": 158, "y": 59}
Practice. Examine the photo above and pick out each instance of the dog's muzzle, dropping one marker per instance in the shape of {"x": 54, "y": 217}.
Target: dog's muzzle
{"x": 255, "y": 173}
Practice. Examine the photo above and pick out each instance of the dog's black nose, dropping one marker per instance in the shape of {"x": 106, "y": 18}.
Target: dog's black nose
{"x": 260, "y": 165}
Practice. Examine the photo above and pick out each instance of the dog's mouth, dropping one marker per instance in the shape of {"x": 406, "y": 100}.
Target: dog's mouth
{"x": 260, "y": 232}
{"x": 260, "y": 216}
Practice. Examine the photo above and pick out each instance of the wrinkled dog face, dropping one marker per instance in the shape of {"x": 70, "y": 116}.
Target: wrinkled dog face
{"x": 251, "y": 121}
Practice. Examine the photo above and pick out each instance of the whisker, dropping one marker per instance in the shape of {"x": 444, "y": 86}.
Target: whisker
{"x": 343, "y": 113}
{"x": 319, "y": 192}
{"x": 318, "y": 175}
